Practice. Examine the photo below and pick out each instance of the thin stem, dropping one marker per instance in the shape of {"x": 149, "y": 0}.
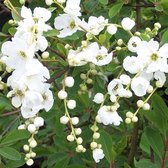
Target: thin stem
{"x": 164, "y": 154}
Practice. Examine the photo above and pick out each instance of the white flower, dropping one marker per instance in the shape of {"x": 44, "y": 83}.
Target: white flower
{"x": 100, "y": 56}
{"x": 98, "y": 98}
{"x": 132, "y": 64}
{"x": 160, "y": 76}
{"x": 95, "y": 24}
{"x": 72, "y": 7}
{"x": 140, "y": 85}
{"x": 127, "y": 23}
{"x": 109, "y": 117}
{"x": 133, "y": 42}
{"x": 113, "y": 86}
{"x": 17, "y": 52}
{"x": 155, "y": 57}
{"x": 98, "y": 155}
{"x": 66, "y": 24}
{"x": 112, "y": 29}
{"x": 125, "y": 79}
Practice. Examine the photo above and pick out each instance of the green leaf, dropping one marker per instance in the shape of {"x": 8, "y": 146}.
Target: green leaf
{"x": 121, "y": 145}
{"x": 51, "y": 33}
{"x": 164, "y": 5}
{"x": 15, "y": 136}
{"x": 159, "y": 104}
{"x": 155, "y": 140}
{"x": 10, "y": 153}
{"x": 115, "y": 9}
{"x": 106, "y": 141}
{"x": 63, "y": 163}
{"x": 104, "y": 2}
{"x": 164, "y": 38}
{"x": 143, "y": 163}
{"x": 16, "y": 14}
{"x": 76, "y": 166}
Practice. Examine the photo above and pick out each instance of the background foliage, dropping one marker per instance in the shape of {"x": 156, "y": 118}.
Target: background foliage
{"x": 140, "y": 145}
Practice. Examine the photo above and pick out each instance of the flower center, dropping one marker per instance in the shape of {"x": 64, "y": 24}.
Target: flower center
{"x": 72, "y": 24}
{"x": 134, "y": 44}
{"x": 22, "y": 54}
{"x": 99, "y": 57}
{"x": 154, "y": 57}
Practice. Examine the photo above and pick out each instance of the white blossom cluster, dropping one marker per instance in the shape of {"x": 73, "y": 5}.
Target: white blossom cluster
{"x": 28, "y": 80}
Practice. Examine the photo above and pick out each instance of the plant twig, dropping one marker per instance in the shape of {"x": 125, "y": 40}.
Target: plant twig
{"x": 10, "y": 113}
{"x": 164, "y": 154}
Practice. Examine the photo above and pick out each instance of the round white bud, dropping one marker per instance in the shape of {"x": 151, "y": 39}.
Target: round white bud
{"x": 125, "y": 79}
{"x": 113, "y": 98}
{"x": 146, "y": 106}
{"x": 69, "y": 81}
{"x": 157, "y": 25}
{"x": 28, "y": 156}
{"x": 150, "y": 89}
{"x": 38, "y": 121}
{"x": 80, "y": 148}
{"x": 48, "y": 2}
{"x": 114, "y": 108}
{"x": 98, "y": 120}
{"x": 134, "y": 119}
{"x": 127, "y": 23}
{"x": 78, "y": 131}
{"x": 129, "y": 114}
{"x": 94, "y": 128}
{"x": 26, "y": 148}
{"x": 127, "y": 120}
{"x": 112, "y": 29}
{"x": 140, "y": 103}
{"x": 84, "y": 150}
{"x": 83, "y": 76}
{"x": 128, "y": 94}
{"x": 45, "y": 55}
{"x": 159, "y": 84}
{"x": 30, "y": 162}
{"x": 33, "y": 154}
{"x": 71, "y": 104}
{"x": 96, "y": 135}
{"x": 98, "y": 98}
{"x": 64, "y": 120}
{"x": 79, "y": 140}
{"x": 22, "y": 127}
{"x": 62, "y": 94}
{"x": 70, "y": 138}
{"x": 75, "y": 120}
{"x": 11, "y": 21}
{"x": 31, "y": 128}
{"x": 33, "y": 143}
{"x": 119, "y": 42}
{"x": 137, "y": 33}
{"x": 118, "y": 48}
{"x": 22, "y": 2}
{"x": 93, "y": 145}
{"x": 148, "y": 29}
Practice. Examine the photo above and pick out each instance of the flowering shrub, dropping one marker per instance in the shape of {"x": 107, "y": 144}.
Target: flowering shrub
{"x": 83, "y": 84}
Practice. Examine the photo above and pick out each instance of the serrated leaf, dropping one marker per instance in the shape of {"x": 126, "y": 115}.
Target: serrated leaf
{"x": 164, "y": 38}
{"x": 115, "y": 9}
{"x": 10, "y": 153}
{"x": 155, "y": 140}
{"x": 15, "y": 136}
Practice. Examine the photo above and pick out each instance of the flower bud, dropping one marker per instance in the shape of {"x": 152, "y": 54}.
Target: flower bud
{"x": 33, "y": 143}
{"x": 83, "y": 76}
{"x": 113, "y": 98}
{"x": 93, "y": 145}
{"x": 96, "y": 135}
{"x": 140, "y": 103}
{"x": 38, "y": 121}
{"x": 26, "y": 148}
{"x": 22, "y": 127}
{"x": 31, "y": 128}
{"x": 150, "y": 89}
{"x": 45, "y": 55}
{"x": 62, "y": 94}
{"x": 69, "y": 81}
{"x": 30, "y": 162}
{"x": 98, "y": 120}
{"x": 75, "y": 120}
{"x": 79, "y": 140}
{"x": 129, "y": 114}
{"x": 48, "y": 2}
{"x": 64, "y": 120}
{"x": 112, "y": 29}
{"x": 134, "y": 119}
{"x": 127, "y": 120}
{"x": 78, "y": 131}
{"x": 70, "y": 138}
{"x": 146, "y": 106}
{"x": 71, "y": 104}
{"x": 80, "y": 148}
{"x": 33, "y": 154}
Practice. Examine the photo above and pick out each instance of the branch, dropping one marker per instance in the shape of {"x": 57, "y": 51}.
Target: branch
{"x": 164, "y": 154}
{"x": 10, "y": 113}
